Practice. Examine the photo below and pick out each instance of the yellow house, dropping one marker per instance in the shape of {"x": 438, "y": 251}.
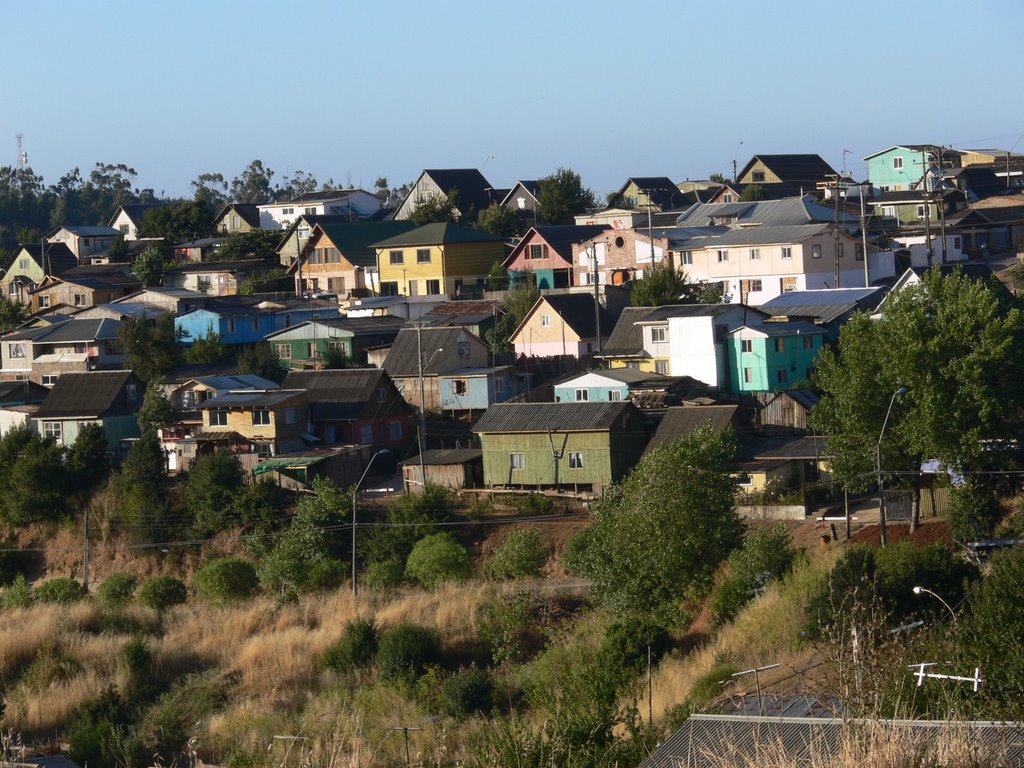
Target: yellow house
{"x": 436, "y": 259}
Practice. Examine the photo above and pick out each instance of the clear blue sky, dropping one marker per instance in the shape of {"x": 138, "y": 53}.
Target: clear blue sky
{"x": 357, "y": 90}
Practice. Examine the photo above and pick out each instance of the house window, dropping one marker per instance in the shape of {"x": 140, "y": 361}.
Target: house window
{"x": 382, "y": 395}
{"x": 310, "y": 211}
{"x": 422, "y": 255}
{"x": 389, "y": 288}
{"x": 433, "y": 287}
{"x": 23, "y": 264}
{"x": 808, "y": 342}
{"x": 815, "y": 251}
{"x": 395, "y": 428}
{"x": 545, "y": 321}
{"x": 283, "y": 351}
{"x": 255, "y": 324}
{"x": 463, "y": 347}
{"x": 582, "y": 395}
{"x": 920, "y": 211}
{"x": 396, "y": 257}
{"x": 897, "y": 163}
{"x": 754, "y": 286}
{"x": 661, "y": 366}
{"x": 858, "y": 252}
{"x": 780, "y": 344}
{"x": 459, "y": 387}
{"x": 261, "y": 417}
{"x": 755, "y": 254}
{"x": 787, "y": 284}
{"x": 657, "y": 335}
{"x": 16, "y": 351}
{"x": 723, "y": 257}
{"x": 615, "y": 395}
{"x": 499, "y": 386}
{"x": 291, "y": 415}
{"x": 746, "y": 345}
{"x": 231, "y": 325}
{"x": 338, "y": 348}
{"x": 956, "y": 243}
{"x": 575, "y": 459}
{"x": 889, "y": 211}
{"x": 287, "y": 211}
{"x": 687, "y": 258}
{"x": 538, "y": 251}
{"x": 787, "y": 252}
{"x": 780, "y": 376}
{"x": 79, "y": 299}
{"x": 758, "y": 176}
{"x": 49, "y": 379}
{"x": 517, "y": 461}
{"x": 218, "y": 418}
{"x": 54, "y": 429}
{"x": 366, "y": 433}
{"x": 44, "y": 301}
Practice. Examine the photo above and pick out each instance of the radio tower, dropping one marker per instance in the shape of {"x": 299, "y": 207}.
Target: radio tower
{"x": 22, "y": 155}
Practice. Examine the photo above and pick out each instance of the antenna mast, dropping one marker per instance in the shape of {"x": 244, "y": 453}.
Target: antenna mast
{"x": 22, "y": 155}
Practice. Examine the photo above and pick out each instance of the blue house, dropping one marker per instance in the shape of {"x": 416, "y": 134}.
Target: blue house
{"x": 900, "y": 167}
{"x": 609, "y": 385}
{"x": 248, "y": 320}
{"x": 476, "y": 389}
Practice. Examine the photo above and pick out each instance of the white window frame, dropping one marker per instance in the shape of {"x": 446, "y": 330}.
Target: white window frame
{"x": 658, "y": 335}
{"x": 687, "y": 258}
{"x": 815, "y": 250}
{"x": 897, "y": 163}
{"x": 54, "y": 429}
{"x": 575, "y": 459}
{"x": 755, "y": 254}
{"x": 723, "y": 256}
{"x": 283, "y": 350}
{"x": 545, "y": 321}
{"x": 614, "y": 395}
{"x": 787, "y": 252}
{"x": 746, "y": 345}
{"x": 261, "y": 417}
{"x": 582, "y": 395}
{"x": 422, "y": 255}
{"x": 517, "y": 461}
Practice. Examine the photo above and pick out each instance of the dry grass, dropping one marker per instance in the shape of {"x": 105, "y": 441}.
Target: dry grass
{"x": 451, "y": 610}
{"x": 34, "y": 711}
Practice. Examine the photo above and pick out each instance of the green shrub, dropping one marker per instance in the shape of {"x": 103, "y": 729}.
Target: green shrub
{"x": 356, "y": 648}
{"x": 403, "y": 652}
{"x": 520, "y": 554}
{"x": 975, "y": 512}
{"x": 51, "y": 665}
{"x": 464, "y": 693}
{"x": 385, "y": 574}
{"x": 625, "y": 644}
{"x": 764, "y": 557}
{"x": 509, "y": 627}
{"x": 532, "y": 503}
{"x": 214, "y": 481}
{"x": 709, "y": 686}
{"x": 18, "y": 594}
{"x": 412, "y": 517}
{"x": 60, "y": 590}
{"x": 162, "y": 592}
{"x": 90, "y": 733}
{"x": 117, "y": 590}
{"x": 136, "y": 660}
{"x": 436, "y": 559}
{"x": 13, "y": 562}
{"x": 226, "y": 580}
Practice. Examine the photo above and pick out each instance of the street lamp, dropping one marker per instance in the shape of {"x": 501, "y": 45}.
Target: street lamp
{"x": 878, "y": 465}
{"x": 355, "y": 493}
{"x": 924, "y": 591}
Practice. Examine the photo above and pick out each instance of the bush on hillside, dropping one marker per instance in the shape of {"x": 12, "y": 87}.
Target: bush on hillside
{"x": 412, "y": 518}
{"x": 403, "y": 653}
{"x": 60, "y": 590}
{"x": 356, "y": 648}
{"x": 521, "y": 554}
{"x": 226, "y": 580}
{"x": 465, "y": 693}
{"x": 214, "y": 481}
{"x": 162, "y": 592}
{"x": 385, "y": 574}
{"x": 764, "y": 557}
{"x": 436, "y": 559}
{"x": 117, "y": 590}
{"x": 17, "y": 594}
{"x": 625, "y": 647}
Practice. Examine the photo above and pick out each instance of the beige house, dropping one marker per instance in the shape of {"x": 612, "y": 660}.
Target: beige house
{"x": 618, "y": 256}
{"x": 84, "y": 242}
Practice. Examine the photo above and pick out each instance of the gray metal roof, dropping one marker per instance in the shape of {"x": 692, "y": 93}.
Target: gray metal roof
{"x": 556, "y": 417}
{"x": 438, "y": 457}
{"x": 402, "y": 358}
{"x": 711, "y": 741}
{"x": 766, "y": 235}
{"x": 237, "y": 381}
{"x": 83, "y": 394}
{"x": 345, "y": 385}
{"x": 254, "y": 399}
{"x": 70, "y": 331}
{"x": 627, "y": 338}
{"x": 682, "y": 421}
{"x": 785, "y": 212}
{"x": 784, "y": 329}
{"x": 622, "y": 375}
{"x": 825, "y": 305}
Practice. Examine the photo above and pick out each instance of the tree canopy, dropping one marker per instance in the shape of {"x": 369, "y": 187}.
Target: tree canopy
{"x": 562, "y": 196}
{"x": 436, "y": 210}
{"x": 500, "y": 220}
{"x": 661, "y": 285}
{"x": 957, "y": 347}
{"x": 657, "y": 539}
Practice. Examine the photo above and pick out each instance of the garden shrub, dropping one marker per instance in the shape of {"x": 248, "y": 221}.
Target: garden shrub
{"x": 117, "y": 590}
{"x": 61, "y": 590}
{"x": 356, "y": 648}
{"x": 226, "y": 580}
{"x": 436, "y": 559}
{"x": 403, "y": 652}
{"x": 162, "y": 592}
{"x": 520, "y": 554}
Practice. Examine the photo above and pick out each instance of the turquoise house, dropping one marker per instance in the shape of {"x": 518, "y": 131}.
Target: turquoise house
{"x": 610, "y": 385}
{"x": 477, "y": 389}
{"x": 899, "y": 167}
{"x": 774, "y": 356}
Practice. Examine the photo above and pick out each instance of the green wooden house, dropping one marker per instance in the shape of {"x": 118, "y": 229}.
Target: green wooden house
{"x": 308, "y": 344}
{"x": 584, "y": 445}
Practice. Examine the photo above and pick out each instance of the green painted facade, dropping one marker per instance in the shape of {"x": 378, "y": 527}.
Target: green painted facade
{"x": 762, "y": 363}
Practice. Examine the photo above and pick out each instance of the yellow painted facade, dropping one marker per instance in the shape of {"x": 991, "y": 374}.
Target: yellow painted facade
{"x": 287, "y": 421}
{"x": 412, "y": 267}
{"x": 648, "y": 365}
{"x": 759, "y": 173}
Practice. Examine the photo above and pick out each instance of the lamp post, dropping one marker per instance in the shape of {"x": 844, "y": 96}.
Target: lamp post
{"x": 355, "y": 493}
{"x": 924, "y": 591}
{"x": 878, "y": 465}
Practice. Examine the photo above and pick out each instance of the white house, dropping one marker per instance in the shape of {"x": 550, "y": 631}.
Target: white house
{"x": 357, "y": 203}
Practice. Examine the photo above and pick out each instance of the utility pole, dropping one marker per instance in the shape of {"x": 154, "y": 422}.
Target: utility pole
{"x": 422, "y": 432}
{"x": 597, "y": 298}
{"x": 927, "y": 220}
{"x": 940, "y": 208}
{"x": 864, "y": 240}
{"x": 835, "y": 232}
{"x": 85, "y": 552}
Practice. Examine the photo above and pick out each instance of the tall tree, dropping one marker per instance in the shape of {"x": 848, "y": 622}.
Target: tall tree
{"x": 12, "y": 314}
{"x": 435, "y": 210}
{"x": 253, "y": 184}
{"x": 657, "y": 539}
{"x": 958, "y": 349}
{"x": 752, "y": 193}
{"x": 150, "y": 265}
{"x": 177, "y": 222}
{"x": 661, "y": 285}
{"x": 500, "y": 220}
{"x": 298, "y": 184}
{"x": 210, "y": 189}
{"x": 150, "y": 345}
{"x": 156, "y": 411}
{"x": 143, "y": 498}
{"x": 562, "y": 196}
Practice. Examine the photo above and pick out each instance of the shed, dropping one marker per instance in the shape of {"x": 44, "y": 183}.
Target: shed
{"x": 451, "y": 467}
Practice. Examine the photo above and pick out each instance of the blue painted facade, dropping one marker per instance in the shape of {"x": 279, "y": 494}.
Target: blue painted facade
{"x": 475, "y": 389}
{"x": 896, "y": 169}
{"x": 572, "y": 394}
{"x": 237, "y": 327}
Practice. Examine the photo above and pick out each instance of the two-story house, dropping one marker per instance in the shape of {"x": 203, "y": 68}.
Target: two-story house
{"x": 83, "y": 286}
{"x": 43, "y": 354}
{"x": 255, "y": 423}
{"x": 648, "y": 193}
{"x": 339, "y": 258}
{"x": 468, "y": 390}
{"x": 234, "y": 218}
{"x": 618, "y": 256}
{"x": 127, "y": 219}
{"x": 353, "y": 203}
{"x": 900, "y": 167}
{"x": 108, "y": 398}
{"x": 425, "y": 354}
{"x": 437, "y": 259}
{"x": 563, "y": 325}
{"x": 215, "y": 278}
{"x": 308, "y": 344}
{"x": 469, "y": 189}
{"x": 85, "y": 241}
{"x": 545, "y": 254}
{"x": 31, "y": 264}
{"x": 247, "y": 319}
{"x": 773, "y": 356}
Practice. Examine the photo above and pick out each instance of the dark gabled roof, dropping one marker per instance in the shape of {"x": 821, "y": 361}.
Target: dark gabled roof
{"x": 439, "y": 234}
{"x": 248, "y": 212}
{"x": 82, "y": 230}
{"x": 561, "y": 237}
{"x": 778, "y": 212}
{"x": 80, "y": 331}
{"x": 18, "y": 392}
{"x": 355, "y": 240}
{"x": 682, "y": 421}
{"x": 471, "y": 185}
{"x": 467, "y": 312}
{"x": 660, "y": 190}
{"x": 530, "y": 185}
{"x": 577, "y": 310}
{"x": 402, "y": 358}
{"x": 58, "y": 257}
{"x": 83, "y": 394}
{"x": 793, "y": 169}
{"x": 555, "y": 417}
{"x": 320, "y": 196}
{"x": 668, "y": 311}
{"x": 375, "y": 325}
{"x": 805, "y": 398}
{"x": 627, "y": 338}
{"x": 995, "y": 214}
{"x": 347, "y": 385}
{"x": 134, "y": 211}
{"x": 824, "y": 305}
{"x": 621, "y": 375}
{"x": 787, "y": 448}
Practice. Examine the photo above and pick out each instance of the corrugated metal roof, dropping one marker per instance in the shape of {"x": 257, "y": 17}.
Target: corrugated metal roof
{"x": 347, "y": 385}
{"x": 402, "y": 358}
{"x": 556, "y": 417}
{"x": 622, "y": 375}
{"x": 83, "y": 394}
{"x": 767, "y": 235}
{"x": 786, "y": 212}
{"x": 783, "y": 329}
{"x": 682, "y": 421}
{"x": 437, "y": 457}
{"x": 254, "y": 399}
{"x": 627, "y": 338}
{"x": 435, "y": 234}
